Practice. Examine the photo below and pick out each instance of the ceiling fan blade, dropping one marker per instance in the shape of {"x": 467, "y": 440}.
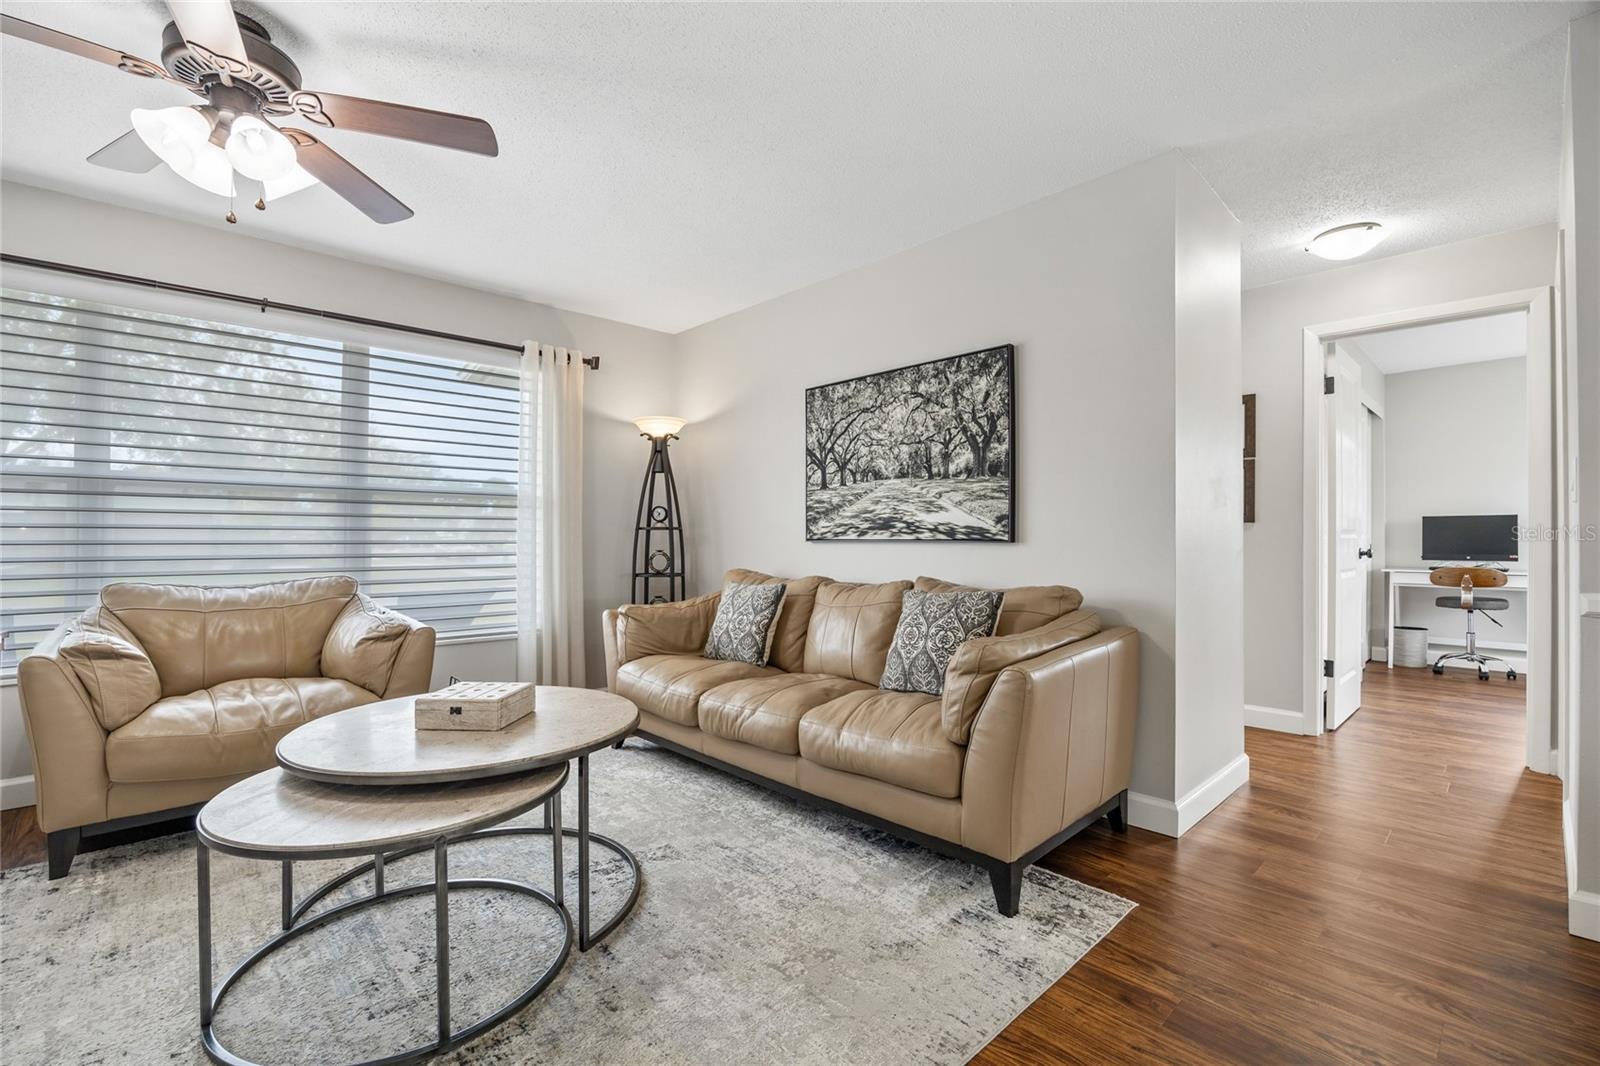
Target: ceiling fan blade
{"x": 128, "y": 152}
{"x": 212, "y": 32}
{"x": 344, "y": 178}
{"x": 418, "y": 124}
{"x": 28, "y": 31}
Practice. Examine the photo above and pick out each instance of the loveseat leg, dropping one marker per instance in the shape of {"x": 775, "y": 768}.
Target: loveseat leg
{"x": 1007, "y": 880}
{"x": 61, "y": 846}
{"x": 1118, "y": 815}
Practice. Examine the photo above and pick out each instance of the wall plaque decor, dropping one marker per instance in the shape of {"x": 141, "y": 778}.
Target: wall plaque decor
{"x": 923, "y": 452}
{"x": 1249, "y": 457}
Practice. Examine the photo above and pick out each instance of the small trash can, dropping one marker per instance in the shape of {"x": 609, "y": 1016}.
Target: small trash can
{"x": 1411, "y": 645}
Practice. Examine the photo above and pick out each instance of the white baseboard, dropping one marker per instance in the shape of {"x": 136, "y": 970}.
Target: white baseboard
{"x": 17, "y": 792}
{"x": 1569, "y": 843}
{"x": 1175, "y": 819}
{"x": 1274, "y": 718}
{"x": 1583, "y": 915}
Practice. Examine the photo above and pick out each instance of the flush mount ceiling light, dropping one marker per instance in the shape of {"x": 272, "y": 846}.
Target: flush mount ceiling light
{"x": 658, "y": 426}
{"x": 1347, "y": 242}
{"x": 232, "y": 144}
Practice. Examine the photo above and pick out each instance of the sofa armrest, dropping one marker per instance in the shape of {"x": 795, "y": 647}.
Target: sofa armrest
{"x": 609, "y": 621}
{"x": 1052, "y": 742}
{"x": 977, "y": 663}
{"x": 680, "y": 628}
{"x": 66, "y": 739}
{"x": 413, "y": 665}
{"x": 368, "y": 646}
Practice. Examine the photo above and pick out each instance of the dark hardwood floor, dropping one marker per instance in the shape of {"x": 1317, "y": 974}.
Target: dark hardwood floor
{"x": 1393, "y": 892}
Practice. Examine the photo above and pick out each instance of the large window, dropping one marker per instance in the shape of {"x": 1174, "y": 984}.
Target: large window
{"x": 141, "y": 446}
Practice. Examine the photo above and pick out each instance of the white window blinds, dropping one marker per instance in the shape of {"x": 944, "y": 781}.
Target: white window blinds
{"x": 143, "y": 446}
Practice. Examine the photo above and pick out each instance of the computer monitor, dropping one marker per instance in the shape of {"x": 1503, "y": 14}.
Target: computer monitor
{"x": 1470, "y": 538}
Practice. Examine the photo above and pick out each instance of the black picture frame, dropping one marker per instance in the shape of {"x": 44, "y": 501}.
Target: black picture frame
{"x": 845, "y": 511}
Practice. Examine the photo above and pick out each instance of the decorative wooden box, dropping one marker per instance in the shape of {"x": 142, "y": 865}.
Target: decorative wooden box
{"x": 475, "y": 705}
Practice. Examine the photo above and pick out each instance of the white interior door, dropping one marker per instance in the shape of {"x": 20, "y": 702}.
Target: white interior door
{"x": 1347, "y": 506}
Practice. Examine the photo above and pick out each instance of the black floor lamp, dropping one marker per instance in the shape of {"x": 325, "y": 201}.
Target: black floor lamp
{"x": 658, "y": 556}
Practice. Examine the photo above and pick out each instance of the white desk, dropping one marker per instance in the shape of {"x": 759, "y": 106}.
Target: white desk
{"x": 1400, "y": 578}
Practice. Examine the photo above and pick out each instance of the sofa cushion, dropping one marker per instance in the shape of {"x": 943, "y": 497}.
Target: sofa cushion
{"x": 851, "y": 629}
{"x": 671, "y": 685}
{"x": 1021, "y": 608}
{"x": 363, "y": 643}
{"x": 747, "y": 617}
{"x": 116, "y": 673}
{"x": 199, "y": 636}
{"x": 231, "y": 728}
{"x": 932, "y": 626}
{"x": 897, "y": 737}
{"x": 799, "y": 597}
{"x": 766, "y": 711}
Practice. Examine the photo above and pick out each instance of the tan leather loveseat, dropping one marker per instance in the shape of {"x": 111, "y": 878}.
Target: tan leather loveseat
{"x": 1030, "y": 742}
{"x": 163, "y": 695}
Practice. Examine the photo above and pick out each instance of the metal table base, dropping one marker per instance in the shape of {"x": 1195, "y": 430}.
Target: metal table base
{"x": 297, "y": 921}
{"x": 588, "y": 937}
{"x": 440, "y": 886}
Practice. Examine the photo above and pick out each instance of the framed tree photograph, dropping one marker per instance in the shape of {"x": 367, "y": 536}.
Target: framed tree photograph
{"x": 923, "y": 452}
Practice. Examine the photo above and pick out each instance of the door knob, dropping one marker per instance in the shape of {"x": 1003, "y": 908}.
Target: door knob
{"x": 1364, "y": 553}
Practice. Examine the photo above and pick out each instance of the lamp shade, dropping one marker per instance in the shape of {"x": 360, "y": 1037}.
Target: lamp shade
{"x": 298, "y": 178}
{"x": 180, "y": 136}
{"x": 258, "y": 151}
{"x": 1347, "y": 242}
{"x": 656, "y": 426}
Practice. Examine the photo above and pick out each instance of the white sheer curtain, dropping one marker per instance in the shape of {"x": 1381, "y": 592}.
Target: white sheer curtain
{"x": 550, "y": 517}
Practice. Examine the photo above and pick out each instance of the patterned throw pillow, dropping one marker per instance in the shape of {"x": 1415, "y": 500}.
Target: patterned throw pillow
{"x": 746, "y": 619}
{"x": 932, "y": 626}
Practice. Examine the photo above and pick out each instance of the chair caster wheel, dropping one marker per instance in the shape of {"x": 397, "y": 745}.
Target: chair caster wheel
{"x": 1438, "y": 669}
{"x": 1511, "y": 675}
{"x": 1483, "y": 675}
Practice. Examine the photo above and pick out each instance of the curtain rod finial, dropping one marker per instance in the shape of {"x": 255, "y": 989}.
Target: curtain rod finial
{"x": 592, "y": 362}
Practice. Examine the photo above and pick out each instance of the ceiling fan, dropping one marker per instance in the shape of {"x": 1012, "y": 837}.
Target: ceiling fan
{"x": 231, "y": 144}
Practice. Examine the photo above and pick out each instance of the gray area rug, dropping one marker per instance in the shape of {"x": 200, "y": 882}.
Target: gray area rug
{"x": 766, "y": 932}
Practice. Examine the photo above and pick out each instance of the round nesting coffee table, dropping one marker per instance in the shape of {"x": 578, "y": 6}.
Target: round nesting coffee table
{"x": 278, "y": 817}
{"x": 379, "y": 745}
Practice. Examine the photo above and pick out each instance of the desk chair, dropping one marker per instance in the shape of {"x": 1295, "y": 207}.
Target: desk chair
{"x": 1466, "y": 580}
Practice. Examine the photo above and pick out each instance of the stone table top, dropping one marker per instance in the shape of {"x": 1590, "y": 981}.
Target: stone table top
{"x": 276, "y": 814}
{"x": 379, "y": 744}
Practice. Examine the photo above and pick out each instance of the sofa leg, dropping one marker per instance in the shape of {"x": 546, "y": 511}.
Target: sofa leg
{"x": 1007, "y": 880}
{"x": 1118, "y": 815}
{"x": 61, "y": 846}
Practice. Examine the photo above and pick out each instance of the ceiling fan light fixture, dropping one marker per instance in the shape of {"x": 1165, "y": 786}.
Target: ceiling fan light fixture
{"x": 298, "y": 178}
{"x": 180, "y": 137}
{"x": 1347, "y": 242}
{"x": 258, "y": 151}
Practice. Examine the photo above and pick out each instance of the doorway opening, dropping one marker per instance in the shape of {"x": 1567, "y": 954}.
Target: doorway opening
{"x": 1432, "y": 436}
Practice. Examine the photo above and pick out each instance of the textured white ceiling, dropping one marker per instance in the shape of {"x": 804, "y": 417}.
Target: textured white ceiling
{"x": 1466, "y": 340}
{"x": 669, "y": 164}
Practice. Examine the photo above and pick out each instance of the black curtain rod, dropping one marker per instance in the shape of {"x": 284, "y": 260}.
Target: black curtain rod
{"x": 264, "y": 304}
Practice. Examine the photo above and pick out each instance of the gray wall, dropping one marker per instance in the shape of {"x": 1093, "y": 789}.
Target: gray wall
{"x": 1090, "y": 285}
{"x": 634, "y": 375}
{"x": 1274, "y": 318}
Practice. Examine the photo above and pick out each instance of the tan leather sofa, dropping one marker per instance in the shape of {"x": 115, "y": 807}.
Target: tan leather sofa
{"x": 1031, "y": 741}
{"x": 159, "y": 697}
